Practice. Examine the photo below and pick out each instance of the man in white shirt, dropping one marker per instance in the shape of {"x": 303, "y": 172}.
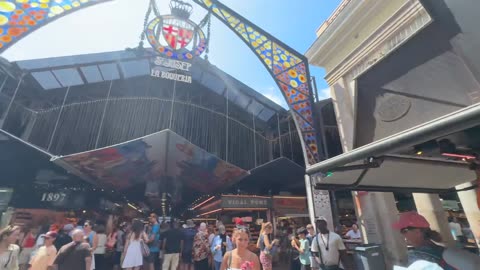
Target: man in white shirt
{"x": 455, "y": 229}
{"x": 328, "y": 248}
{"x": 354, "y": 233}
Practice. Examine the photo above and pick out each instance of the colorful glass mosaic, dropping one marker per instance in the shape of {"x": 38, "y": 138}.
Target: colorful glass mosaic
{"x": 288, "y": 68}
{"x": 20, "y": 17}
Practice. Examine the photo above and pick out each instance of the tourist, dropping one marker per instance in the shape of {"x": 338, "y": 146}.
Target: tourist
{"x": 75, "y": 255}
{"x": 119, "y": 246}
{"x": 211, "y": 234}
{"x": 100, "y": 250}
{"x": 303, "y": 248}
{"x": 220, "y": 245}
{"x": 91, "y": 238}
{"x": 189, "y": 235}
{"x": 45, "y": 256}
{"x": 456, "y": 230}
{"x": 9, "y": 251}
{"x": 265, "y": 244}
{"x": 354, "y": 233}
{"x": 63, "y": 236}
{"x": 201, "y": 248}
{"x": 311, "y": 234}
{"x": 28, "y": 246}
{"x": 172, "y": 247}
{"x": 426, "y": 244}
{"x": 293, "y": 254}
{"x": 153, "y": 261}
{"x": 133, "y": 257}
{"x": 240, "y": 257}
{"x": 328, "y": 248}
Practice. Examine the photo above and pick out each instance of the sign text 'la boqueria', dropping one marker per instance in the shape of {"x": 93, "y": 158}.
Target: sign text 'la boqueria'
{"x": 170, "y": 63}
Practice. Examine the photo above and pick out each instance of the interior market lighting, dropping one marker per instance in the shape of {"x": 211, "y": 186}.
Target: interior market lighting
{"x": 458, "y": 156}
{"x": 204, "y": 202}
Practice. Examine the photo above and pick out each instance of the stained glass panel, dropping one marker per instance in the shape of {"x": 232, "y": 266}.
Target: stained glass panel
{"x": 288, "y": 68}
{"x": 19, "y": 18}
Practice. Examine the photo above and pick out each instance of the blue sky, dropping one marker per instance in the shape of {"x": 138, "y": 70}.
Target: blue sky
{"x": 116, "y": 25}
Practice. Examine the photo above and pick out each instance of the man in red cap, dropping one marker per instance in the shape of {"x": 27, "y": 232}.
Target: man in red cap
{"x": 45, "y": 256}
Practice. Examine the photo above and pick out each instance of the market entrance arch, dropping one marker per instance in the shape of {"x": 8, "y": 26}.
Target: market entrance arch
{"x": 287, "y": 67}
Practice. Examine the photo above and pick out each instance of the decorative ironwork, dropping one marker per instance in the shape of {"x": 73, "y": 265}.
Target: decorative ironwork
{"x": 19, "y": 18}
{"x": 288, "y": 68}
{"x": 176, "y": 36}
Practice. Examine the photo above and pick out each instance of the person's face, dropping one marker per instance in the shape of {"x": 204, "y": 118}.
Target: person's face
{"x": 49, "y": 240}
{"x": 268, "y": 229}
{"x": 413, "y": 236}
{"x": 322, "y": 226}
{"x": 153, "y": 219}
{"x": 241, "y": 240}
{"x": 13, "y": 238}
{"x": 301, "y": 236}
{"x": 311, "y": 230}
{"x": 355, "y": 227}
{"x": 78, "y": 237}
{"x": 87, "y": 226}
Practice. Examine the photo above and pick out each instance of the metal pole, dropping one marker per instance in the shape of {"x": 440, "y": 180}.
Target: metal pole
{"x": 279, "y": 136}
{"x": 451, "y": 123}
{"x": 173, "y": 102}
{"x": 291, "y": 141}
{"x": 226, "y": 138}
{"x": 12, "y": 100}
{"x": 311, "y": 205}
{"x": 314, "y": 81}
{"x": 58, "y": 118}
{"x": 254, "y": 140}
{"x": 103, "y": 115}
{"x": 3, "y": 83}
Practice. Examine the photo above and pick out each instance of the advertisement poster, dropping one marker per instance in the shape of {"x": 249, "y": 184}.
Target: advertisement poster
{"x": 163, "y": 162}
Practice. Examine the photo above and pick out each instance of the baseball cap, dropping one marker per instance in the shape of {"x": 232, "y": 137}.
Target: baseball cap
{"x": 322, "y": 218}
{"x": 50, "y": 234}
{"x": 411, "y": 219}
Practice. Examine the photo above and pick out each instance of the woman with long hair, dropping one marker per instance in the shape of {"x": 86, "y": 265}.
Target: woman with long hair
{"x": 92, "y": 239}
{"x": 240, "y": 257}
{"x": 100, "y": 250}
{"x": 28, "y": 246}
{"x": 132, "y": 255}
{"x": 9, "y": 251}
{"x": 265, "y": 244}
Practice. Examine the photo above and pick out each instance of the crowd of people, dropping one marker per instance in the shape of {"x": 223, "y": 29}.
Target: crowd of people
{"x": 151, "y": 245}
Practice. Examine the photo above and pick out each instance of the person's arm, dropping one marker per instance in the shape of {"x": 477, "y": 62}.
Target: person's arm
{"x": 315, "y": 247}
{"x": 95, "y": 242}
{"x": 229, "y": 244}
{"x": 343, "y": 254}
{"x": 266, "y": 241}
{"x": 256, "y": 263}
{"x": 164, "y": 243}
{"x": 215, "y": 246}
{"x": 88, "y": 263}
{"x": 224, "y": 264}
{"x": 300, "y": 248}
{"x": 258, "y": 240}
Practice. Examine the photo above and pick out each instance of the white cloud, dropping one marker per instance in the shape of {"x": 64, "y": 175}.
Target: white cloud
{"x": 324, "y": 93}
{"x": 274, "y": 94}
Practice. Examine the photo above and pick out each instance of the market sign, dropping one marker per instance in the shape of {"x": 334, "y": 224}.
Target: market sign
{"x": 177, "y": 40}
{"x": 246, "y": 202}
{"x": 290, "y": 204}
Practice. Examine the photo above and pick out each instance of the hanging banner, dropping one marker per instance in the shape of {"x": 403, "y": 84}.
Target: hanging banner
{"x": 162, "y": 162}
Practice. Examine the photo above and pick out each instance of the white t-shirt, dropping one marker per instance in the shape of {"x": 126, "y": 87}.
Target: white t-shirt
{"x": 334, "y": 243}
{"x": 456, "y": 229}
{"x": 354, "y": 235}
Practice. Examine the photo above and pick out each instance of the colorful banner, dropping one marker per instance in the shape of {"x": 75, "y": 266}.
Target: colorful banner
{"x": 163, "y": 162}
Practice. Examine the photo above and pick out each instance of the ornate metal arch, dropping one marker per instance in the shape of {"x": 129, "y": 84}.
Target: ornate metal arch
{"x": 18, "y": 18}
{"x": 287, "y": 67}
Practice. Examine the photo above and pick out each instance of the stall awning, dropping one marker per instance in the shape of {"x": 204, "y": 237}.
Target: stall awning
{"x": 416, "y": 175}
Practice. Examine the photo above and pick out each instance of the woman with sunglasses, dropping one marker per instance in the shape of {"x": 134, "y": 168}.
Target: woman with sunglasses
{"x": 9, "y": 252}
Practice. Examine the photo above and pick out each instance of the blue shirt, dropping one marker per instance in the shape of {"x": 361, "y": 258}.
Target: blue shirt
{"x": 217, "y": 254}
{"x": 155, "y": 245}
